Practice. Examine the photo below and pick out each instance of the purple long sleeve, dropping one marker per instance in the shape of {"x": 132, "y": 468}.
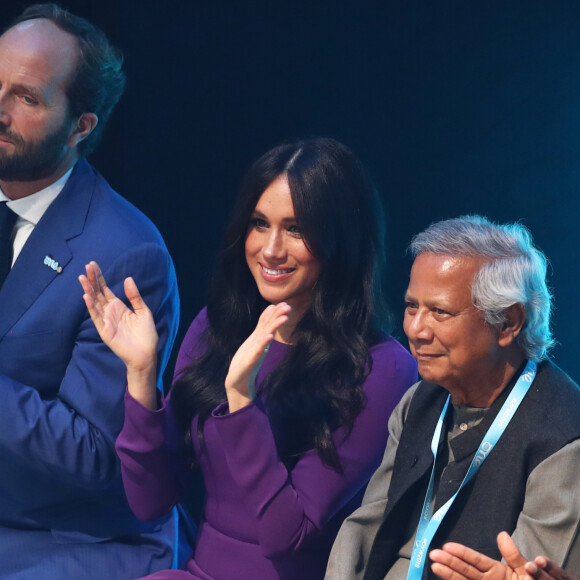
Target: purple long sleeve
{"x": 261, "y": 521}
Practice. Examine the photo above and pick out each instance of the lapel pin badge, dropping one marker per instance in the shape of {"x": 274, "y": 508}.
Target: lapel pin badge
{"x": 53, "y": 264}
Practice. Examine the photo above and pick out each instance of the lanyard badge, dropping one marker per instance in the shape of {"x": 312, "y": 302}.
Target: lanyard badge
{"x": 429, "y": 524}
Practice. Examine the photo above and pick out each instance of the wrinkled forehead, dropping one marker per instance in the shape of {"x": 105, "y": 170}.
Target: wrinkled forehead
{"x": 442, "y": 274}
{"x": 448, "y": 264}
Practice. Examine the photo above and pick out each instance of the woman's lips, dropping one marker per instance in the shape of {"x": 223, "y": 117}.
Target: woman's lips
{"x": 275, "y": 274}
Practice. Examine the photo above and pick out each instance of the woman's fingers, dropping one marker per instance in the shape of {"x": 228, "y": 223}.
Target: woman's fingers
{"x": 104, "y": 308}
{"x": 94, "y": 287}
{"x": 104, "y": 290}
{"x": 249, "y": 356}
{"x": 91, "y": 298}
{"x": 98, "y": 294}
{"x": 273, "y": 317}
{"x": 90, "y": 283}
{"x": 134, "y": 297}
{"x": 86, "y": 288}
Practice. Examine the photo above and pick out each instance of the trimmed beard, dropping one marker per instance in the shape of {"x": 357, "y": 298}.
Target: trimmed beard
{"x": 33, "y": 160}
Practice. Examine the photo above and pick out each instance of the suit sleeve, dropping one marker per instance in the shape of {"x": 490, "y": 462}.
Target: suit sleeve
{"x": 71, "y": 436}
{"x": 550, "y": 519}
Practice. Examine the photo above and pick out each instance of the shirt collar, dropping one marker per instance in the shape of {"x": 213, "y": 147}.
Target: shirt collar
{"x": 32, "y": 207}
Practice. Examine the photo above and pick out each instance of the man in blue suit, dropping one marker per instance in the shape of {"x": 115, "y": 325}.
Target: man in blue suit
{"x": 63, "y": 512}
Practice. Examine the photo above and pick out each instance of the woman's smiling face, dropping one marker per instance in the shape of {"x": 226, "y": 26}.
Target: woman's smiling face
{"x": 282, "y": 266}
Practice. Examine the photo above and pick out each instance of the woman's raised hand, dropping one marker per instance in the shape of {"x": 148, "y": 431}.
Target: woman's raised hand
{"x": 130, "y": 334}
{"x": 248, "y": 358}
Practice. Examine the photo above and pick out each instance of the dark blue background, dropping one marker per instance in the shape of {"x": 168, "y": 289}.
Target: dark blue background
{"x": 455, "y": 107}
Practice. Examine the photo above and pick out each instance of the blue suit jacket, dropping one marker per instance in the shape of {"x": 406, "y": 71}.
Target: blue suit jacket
{"x": 61, "y": 392}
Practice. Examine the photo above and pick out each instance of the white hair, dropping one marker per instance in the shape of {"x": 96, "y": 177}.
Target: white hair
{"x": 515, "y": 272}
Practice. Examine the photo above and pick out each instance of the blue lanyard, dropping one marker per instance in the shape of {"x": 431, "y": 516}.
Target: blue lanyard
{"x": 428, "y": 525}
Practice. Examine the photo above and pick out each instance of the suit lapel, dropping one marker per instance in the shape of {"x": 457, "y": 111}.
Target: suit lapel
{"x": 47, "y": 249}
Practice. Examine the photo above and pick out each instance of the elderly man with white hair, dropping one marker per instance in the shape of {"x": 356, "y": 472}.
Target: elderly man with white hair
{"x": 489, "y": 439}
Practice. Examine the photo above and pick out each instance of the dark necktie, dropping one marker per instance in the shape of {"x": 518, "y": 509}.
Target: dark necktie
{"x": 7, "y": 221}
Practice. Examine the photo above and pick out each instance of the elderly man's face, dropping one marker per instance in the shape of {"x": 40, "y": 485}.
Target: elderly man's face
{"x": 447, "y": 334}
{"x": 37, "y": 60}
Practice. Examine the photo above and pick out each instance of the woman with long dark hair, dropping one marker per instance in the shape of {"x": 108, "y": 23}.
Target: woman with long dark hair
{"x": 283, "y": 384}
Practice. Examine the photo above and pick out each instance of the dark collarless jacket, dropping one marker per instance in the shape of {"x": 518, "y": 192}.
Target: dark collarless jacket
{"x": 547, "y": 420}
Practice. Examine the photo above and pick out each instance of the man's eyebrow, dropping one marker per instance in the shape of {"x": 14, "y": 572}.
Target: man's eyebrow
{"x": 20, "y": 88}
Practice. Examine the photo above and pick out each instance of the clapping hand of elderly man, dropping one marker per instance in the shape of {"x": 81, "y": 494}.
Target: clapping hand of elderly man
{"x": 457, "y": 562}
{"x": 544, "y": 569}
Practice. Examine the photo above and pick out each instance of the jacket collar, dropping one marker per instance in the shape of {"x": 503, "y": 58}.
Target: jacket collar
{"x": 46, "y": 251}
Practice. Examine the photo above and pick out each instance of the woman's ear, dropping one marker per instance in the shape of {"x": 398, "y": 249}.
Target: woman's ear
{"x": 515, "y": 318}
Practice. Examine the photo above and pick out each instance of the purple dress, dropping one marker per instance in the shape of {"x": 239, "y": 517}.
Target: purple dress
{"x": 260, "y": 521}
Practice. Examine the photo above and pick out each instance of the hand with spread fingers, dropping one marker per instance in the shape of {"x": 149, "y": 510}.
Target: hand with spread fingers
{"x": 248, "y": 358}
{"x": 541, "y": 568}
{"x": 129, "y": 333}
{"x": 457, "y": 562}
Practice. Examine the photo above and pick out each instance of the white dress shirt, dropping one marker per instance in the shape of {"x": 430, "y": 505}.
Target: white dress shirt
{"x": 30, "y": 209}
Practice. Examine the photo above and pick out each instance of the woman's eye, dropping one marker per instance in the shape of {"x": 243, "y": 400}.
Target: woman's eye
{"x": 295, "y": 231}
{"x": 258, "y": 223}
